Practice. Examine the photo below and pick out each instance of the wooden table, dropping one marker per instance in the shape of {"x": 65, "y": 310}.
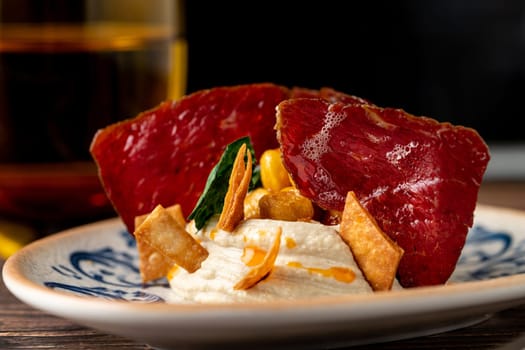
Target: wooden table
{"x": 22, "y": 327}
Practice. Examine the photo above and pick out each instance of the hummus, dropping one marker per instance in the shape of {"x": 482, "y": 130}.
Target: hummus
{"x": 313, "y": 260}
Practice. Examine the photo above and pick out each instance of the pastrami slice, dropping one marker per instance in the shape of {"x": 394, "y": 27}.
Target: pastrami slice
{"x": 419, "y": 178}
{"x": 164, "y": 155}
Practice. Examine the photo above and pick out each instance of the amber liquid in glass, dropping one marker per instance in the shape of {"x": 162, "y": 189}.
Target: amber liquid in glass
{"x": 59, "y": 83}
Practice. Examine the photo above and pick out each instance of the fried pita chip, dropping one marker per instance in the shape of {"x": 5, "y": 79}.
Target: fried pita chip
{"x": 160, "y": 233}
{"x": 152, "y": 264}
{"x": 375, "y": 252}
{"x": 233, "y": 209}
{"x": 261, "y": 270}
{"x": 175, "y": 210}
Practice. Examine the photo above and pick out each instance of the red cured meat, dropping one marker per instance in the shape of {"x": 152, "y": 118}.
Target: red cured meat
{"x": 419, "y": 178}
{"x": 164, "y": 155}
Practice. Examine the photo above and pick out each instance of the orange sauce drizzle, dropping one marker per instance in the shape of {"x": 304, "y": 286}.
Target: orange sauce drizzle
{"x": 213, "y": 232}
{"x": 172, "y": 272}
{"x": 341, "y": 274}
{"x": 253, "y": 255}
{"x": 290, "y": 243}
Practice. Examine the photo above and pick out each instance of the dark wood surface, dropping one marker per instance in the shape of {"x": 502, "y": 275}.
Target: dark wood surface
{"x": 22, "y": 327}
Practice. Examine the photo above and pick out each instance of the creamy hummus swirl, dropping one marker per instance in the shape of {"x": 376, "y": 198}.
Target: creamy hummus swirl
{"x": 313, "y": 260}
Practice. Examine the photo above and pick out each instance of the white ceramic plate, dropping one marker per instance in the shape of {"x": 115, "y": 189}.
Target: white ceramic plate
{"x": 89, "y": 275}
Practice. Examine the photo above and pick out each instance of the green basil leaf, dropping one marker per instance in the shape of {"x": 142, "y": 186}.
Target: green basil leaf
{"x": 211, "y": 201}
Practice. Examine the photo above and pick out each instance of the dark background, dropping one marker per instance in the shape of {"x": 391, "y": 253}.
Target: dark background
{"x": 457, "y": 61}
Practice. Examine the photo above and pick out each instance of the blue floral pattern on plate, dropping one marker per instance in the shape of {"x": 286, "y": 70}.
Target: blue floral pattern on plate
{"x": 111, "y": 272}
{"x": 490, "y": 254}
{"x": 114, "y": 270}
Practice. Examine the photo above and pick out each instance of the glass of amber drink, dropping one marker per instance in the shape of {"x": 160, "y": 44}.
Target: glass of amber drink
{"x": 68, "y": 68}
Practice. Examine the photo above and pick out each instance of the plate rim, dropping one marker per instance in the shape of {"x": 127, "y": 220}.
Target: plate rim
{"x": 18, "y": 283}
{"x": 347, "y": 320}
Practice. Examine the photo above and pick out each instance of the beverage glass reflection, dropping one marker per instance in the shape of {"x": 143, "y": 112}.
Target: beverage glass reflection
{"x": 68, "y": 68}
